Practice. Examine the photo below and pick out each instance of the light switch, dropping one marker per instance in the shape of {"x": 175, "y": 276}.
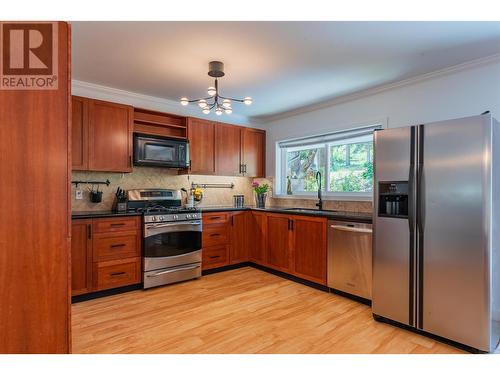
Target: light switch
{"x": 78, "y": 194}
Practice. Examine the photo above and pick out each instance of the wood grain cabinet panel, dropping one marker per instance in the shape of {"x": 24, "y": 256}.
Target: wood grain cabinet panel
{"x": 215, "y": 234}
{"x": 81, "y": 257}
{"x": 118, "y": 245}
{"x": 278, "y": 242}
{"x": 310, "y": 248}
{"x": 116, "y": 224}
{"x": 238, "y": 251}
{"x": 228, "y": 150}
{"x": 201, "y": 136}
{"x": 117, "y": 273}
{"x": 257, "y": 237}
{"x": 110, "y": 136}
{"x": 253, "y": 150}
{"x": 215, "y": 256}
{"x": 80, "y": 133}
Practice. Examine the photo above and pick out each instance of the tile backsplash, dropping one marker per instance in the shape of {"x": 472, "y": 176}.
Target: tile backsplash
{"x": 145, "y": 177}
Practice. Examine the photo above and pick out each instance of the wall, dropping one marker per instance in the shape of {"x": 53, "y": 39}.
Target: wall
{"x": 462, "y": 91}
{"x": 144, "y": 177}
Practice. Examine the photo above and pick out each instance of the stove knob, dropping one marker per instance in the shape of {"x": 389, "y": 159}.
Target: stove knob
{"x": 161, "y": 218}
{"x": 153, "y": 218}
{"x": 175, "y": 217}
{"x": 188, "y": 216}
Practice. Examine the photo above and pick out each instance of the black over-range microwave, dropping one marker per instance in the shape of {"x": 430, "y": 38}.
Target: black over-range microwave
{"x": 152, "y": 150}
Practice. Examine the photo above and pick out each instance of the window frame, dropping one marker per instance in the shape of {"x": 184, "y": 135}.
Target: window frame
{"x": 281, "y": 168}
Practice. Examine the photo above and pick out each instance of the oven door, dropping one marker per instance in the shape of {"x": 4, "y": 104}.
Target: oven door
{"x": 171, "y": 244}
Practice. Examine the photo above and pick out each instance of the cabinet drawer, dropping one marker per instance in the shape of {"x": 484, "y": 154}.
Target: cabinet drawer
{"x": 215, "y": 218}
{"x": 215, "y": 256}
{"x": 114, "y": 224}
{"x": 214, "y": 235}
{"x": 116, "y": 273}
{"x": 110, "y": 246}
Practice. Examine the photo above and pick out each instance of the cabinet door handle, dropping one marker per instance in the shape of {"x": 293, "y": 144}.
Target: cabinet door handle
{"x": 232, "y": 221}
{"x": 291, "y": 224}
{"x": 214, "y": 217}
{"x": 117, "y": 225}
{"x": 118, "y": 245}
{"x": 118, "y": 273}
{"x": 130, "y": 160}
{"x": 215, "y": 256}
{"x": 89, "y": 231}
{"x": 214, "y": 235}
{"x": 244, "y": 168}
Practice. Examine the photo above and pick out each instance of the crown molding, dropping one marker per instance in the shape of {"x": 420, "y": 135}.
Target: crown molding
{"x": 96, "y": 91}
{"x": 378, "y": 89}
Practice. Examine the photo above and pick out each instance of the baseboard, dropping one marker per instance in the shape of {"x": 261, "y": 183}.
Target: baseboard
{"x": 225, "y": 268}
{"x": 458, "y": 345}
{"x": 105, "y": 293}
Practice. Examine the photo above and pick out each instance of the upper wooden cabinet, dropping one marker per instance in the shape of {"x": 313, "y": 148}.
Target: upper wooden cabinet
{"x": 201, "y": 135}
{"x": 228, "y": 150}
{"x": 101, "y": 135}
{"x": 253, "y": 146}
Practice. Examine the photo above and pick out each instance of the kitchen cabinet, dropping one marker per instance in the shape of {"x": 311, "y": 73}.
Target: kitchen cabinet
{"x": 228, "y": 150}
{"x": 253, "y": 151}
{"x": 309, "y": 248}
{"x": 256, "y": 237}
{"x": 239, "y": 239}
{"x": 279, "y": 242}
{"x": 81, "y": 257}
{"x": 80, "y": 133}
{"x": 215, "y": 240}
{"x": 201, "y": 136}
{"x": 101, "y": 135}
{"x": 106, "y": 253}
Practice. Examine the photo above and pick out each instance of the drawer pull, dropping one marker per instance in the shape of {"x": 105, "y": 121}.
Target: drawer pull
{"x": 118, "y": 245}
{"x": 214, "y": 256}
{"x": 118, "y": 273}
{"x": 114, "y": 225}
{"x": 215, "y": 235}
{"x": 214, "y": 217}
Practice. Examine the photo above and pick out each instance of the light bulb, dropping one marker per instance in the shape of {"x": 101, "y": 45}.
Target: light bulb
{"x": 226, "y": 103}
{"x": 228, "y": 111}
{"x": 211, "y": 91}
{"x": 202, "y": 103}
{"x": 247, "y": 100}
{"x": 206, "y": 110}
{"x": 184, "y": 101}
{"x": 218, "y": 111}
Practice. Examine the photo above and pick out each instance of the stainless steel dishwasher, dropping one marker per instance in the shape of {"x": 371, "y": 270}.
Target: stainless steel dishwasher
{"x": 350, "y": 257}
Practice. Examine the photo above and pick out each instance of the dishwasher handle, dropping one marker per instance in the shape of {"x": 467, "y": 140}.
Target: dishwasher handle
{"x": 351, "y": 229}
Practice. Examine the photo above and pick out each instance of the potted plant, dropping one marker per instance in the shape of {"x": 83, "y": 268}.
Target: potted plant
{"x": 260, "y": 194}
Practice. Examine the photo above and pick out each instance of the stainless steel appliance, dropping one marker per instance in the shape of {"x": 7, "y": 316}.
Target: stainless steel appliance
{"x": 350, "y": 257}
{"x": 436, "y": 229}
{"x": 172, "y": 236}
{"x": 160, "y": 151}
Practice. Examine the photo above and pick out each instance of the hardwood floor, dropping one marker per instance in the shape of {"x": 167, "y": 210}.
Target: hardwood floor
{"x": 239, "y": 311}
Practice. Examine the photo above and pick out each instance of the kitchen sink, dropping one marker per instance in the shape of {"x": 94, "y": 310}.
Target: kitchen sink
{"x": 299, "y": 209}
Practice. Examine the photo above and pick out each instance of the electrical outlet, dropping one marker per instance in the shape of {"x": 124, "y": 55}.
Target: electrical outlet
{"x": 79, "y": 194}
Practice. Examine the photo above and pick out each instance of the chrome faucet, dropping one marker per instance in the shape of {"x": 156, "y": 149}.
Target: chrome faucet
{"x": 320, "y": 197}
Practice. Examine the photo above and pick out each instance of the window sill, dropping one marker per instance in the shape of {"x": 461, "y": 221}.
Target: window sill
{"x": 339, "y": 197}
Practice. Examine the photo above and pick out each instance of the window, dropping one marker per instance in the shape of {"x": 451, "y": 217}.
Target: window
{"x": 344, "y": 159}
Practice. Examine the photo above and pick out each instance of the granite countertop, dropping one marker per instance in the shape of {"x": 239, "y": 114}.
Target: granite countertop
{"x": 91, "y": 214}
{"x": 333, "y": 215}
{"x": 364, "y": 217}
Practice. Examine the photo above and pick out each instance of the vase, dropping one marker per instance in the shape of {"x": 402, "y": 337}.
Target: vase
{"x": 260, "y": 200}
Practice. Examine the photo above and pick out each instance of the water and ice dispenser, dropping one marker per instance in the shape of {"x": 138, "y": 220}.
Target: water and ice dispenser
{"x": 393, "y": 199}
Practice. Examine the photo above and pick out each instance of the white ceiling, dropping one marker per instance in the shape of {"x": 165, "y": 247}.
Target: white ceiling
{"x": 282, "y": 65}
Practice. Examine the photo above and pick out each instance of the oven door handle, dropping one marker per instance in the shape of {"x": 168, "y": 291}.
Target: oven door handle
{"x": 167, "y": 225}
{"x": 175, "y": 270}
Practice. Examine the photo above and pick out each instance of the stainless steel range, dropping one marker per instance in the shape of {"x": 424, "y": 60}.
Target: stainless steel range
{"x": 172, "y": 236}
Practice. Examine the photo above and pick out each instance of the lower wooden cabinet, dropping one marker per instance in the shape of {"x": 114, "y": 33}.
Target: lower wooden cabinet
{"x": 279, "y": 242}
{"x": 81, "y": 257}
{"x": 105, "y": 253}
{"x": 238, "y": 251}
{"x": 256, "y": 237}
{"x": 215, "y": 256}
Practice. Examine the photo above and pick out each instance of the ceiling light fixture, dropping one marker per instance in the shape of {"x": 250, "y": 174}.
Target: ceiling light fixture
{"x": 215, "y": 100}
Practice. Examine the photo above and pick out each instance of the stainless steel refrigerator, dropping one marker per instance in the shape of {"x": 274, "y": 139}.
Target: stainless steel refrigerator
{"x": 436, "y": 260}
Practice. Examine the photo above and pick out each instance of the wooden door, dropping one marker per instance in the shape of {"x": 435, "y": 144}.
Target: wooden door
{"x": 228, "y": 149}
{"x": 110, "y": 136}
{"x": 201, "y": 135}
{"x": 309, "y": 248}
{"x": 253, "y": 149}
{"x": 238, "y": 238}
{"x": 79, "y": 133}
{"x": 278, "y": 249}
{"x": 81, "y": 257}
{"x": 35, "y": 219}
{"x": 256, "y": 237}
